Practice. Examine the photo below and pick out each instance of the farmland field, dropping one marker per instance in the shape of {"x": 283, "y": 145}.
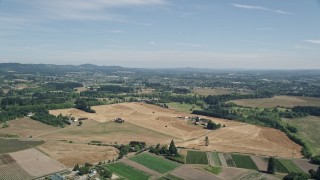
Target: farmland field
{"x": 127, "y": 172}
{"x": 244, "y": 161}
{"x": 290, "y": 166}
{"x": 213, "y": 157}
{"x": 221, "y": 91}
{"x": 284, "y": 101}
{"x": 280, "y": 167}
{"x": 12, "y": 145}
{"x": 183, "y": 107}
{"x": 197, "y": 157}
{"x": 13, "y": 172}
{"x": 155, "y": 163}
{"x": 229, "y": 160}
{"x": 70, "y": 154}
{"x": 308, "y": 128}
{"x": 153, "y": 124}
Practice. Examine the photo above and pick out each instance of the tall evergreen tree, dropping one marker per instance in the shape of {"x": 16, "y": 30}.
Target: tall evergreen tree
{"x": 172, "y": 148}
{"x": 271, "y": 167}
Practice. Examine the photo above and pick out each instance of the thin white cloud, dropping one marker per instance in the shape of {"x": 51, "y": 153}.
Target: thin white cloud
{"x": 261, "y": 8}
{"x": 152, "y": 43}
{"x": 189, "y": 44}
{"x": 93, "y": 10}
{"x": 313, "y": 41}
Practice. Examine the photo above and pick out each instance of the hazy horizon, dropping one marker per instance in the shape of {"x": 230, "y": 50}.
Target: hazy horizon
{"x": 221, "y": 34}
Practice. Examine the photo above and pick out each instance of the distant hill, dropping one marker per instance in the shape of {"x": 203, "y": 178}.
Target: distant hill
{"x": 57, "y": 69}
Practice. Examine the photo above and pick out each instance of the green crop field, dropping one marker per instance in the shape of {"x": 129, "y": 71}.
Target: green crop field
{"x": 214, "y": 170}
{"x": 308, "y": 129}
{"x": 290, "y": 166}
{"x": 13, "y": 145}
{"x": 127, "y": 172}
{"x": 216, "y": 159}
{"x": 170, "y": 177}
{"x": 197, "y": 157}
{"x": 280, "y": 167}
{"x": 183, "y": 107}
{"x": 155, "y": 163}
{"x": 284, "y": 101}
{"x": 244, "y": 161}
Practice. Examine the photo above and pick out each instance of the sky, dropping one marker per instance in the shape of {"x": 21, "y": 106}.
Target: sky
{"x": 248, "y": 34}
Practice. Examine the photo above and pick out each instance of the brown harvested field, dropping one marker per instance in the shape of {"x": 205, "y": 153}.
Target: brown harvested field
{"x": 161, "y": 125}
{"x": 147, "y": 116}
{"x": 190, "y": 173}
{"x": 246, "y": 138}
{"x": 215, "y": 92}
{"x": 305, "y": 165}
{"x": 36, "y": 163}
{"x": 260, "y": 162}
{"x": 283, "y": 101}
{"x": 229, "y": 173}
{"x": 80, "y": 89}
{"x": 26, "y": 127}
{"x": 71, "y": 154}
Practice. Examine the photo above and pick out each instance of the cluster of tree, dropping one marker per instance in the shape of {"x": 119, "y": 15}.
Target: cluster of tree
{"x": 292, "y": 114}
{"x": 181, "y": 91}
{"x": 315, "y": 174}
{"x": 54, "y": 95}
{"x": 213, "y": 126}
{"x": 104, "y": 172}
{"x": 133, "y": 146}
{"x": 8, "y": 102}
{"x": 312, "y": 110}
{"x": 315, "y": 160}
{"x": 138, "y": 145}
{"x": 164, "y": 150}
{"x": 82, "y": 104}
{"x": 62, "y": 86}
{"x": 83, "y": 169}
{"x": 215, "y": 100}
{"x": 116, "y": 89}
{"x": 49, "y": 119}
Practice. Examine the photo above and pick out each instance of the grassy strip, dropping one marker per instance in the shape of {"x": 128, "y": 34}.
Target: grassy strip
{"x": 229, "y": 160}
{"x": 244, "y": 161}
{"x": 290, "y": 166}
{"x": 13, "y": 145}
{"x": 216, "y": 159}
{"x": 280, "y": 167}
{"x": 127, "y": 172}
{"x": 155, "y": 163}
{"x": 214, "y": 170}
{"x": 197, "y": 157}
